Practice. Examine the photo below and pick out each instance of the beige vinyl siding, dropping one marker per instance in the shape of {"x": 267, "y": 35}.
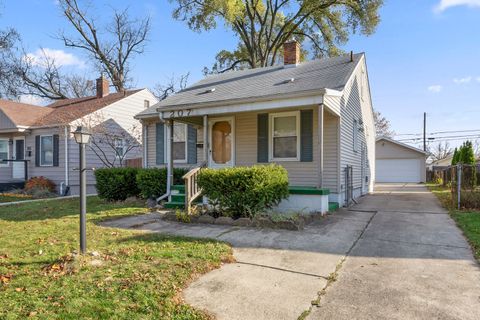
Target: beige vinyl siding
{"x": 330, "y": 157}
{"x": 354, "y": 108}
{"x": 299, "y": 173}
{"x": 333, "y": 103}
{"x": 152, "y": 147}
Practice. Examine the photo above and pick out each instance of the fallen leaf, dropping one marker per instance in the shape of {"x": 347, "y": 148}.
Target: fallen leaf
{"x": 5, "y": 278}
{"x": 3, "y": 256}
{"x": 19, "y": 289}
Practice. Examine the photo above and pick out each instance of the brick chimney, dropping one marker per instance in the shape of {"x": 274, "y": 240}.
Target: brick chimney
{"x": 102, "y": 87}
{"x": 291, "y": 53}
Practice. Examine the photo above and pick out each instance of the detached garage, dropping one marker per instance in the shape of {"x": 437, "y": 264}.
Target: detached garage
{"x": 399, "y": 162}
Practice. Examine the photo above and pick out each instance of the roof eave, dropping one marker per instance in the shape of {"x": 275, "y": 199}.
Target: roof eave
{"x": 299, "y": 94}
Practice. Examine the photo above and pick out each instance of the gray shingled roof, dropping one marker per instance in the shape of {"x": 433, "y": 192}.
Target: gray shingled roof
{"x": 329, "y": 73}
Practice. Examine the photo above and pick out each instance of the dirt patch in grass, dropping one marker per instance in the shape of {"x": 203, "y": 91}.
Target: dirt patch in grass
{"x": 130, "y": 275}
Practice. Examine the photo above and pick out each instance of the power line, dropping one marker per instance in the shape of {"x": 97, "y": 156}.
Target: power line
{"x": 438, "y": 132}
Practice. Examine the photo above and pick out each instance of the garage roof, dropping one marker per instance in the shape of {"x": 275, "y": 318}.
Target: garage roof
{"x": 402, "y": 145}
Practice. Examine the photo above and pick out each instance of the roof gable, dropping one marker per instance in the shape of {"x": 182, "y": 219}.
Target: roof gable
{"x": 403, "y": 145}
{"x": 22, "y": 114}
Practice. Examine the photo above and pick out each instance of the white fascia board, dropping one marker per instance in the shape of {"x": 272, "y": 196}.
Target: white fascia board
{"x": 244, "y": 107}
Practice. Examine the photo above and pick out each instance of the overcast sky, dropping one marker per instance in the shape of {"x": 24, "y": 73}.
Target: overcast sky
{"x": 425, "y": 55}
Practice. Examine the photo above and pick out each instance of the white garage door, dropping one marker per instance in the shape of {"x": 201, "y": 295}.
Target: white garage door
{"x": 398, "y": 170}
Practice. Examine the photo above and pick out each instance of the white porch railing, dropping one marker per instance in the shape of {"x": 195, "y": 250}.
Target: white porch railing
{"x": 192, "y": 191}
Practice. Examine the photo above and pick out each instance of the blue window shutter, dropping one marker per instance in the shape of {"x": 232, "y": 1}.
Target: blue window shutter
{"x": 160, "y": 143}
{"x": 306, "y": 135}
{"x": 191, "y": 144}
{"x": 56, "y": 151}
{"x": 262, "y": 138}
{"x": 37, "y": 151}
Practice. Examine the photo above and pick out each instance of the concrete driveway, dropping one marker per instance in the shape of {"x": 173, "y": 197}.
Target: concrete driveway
{"x": 396, "y": 254}
{"x": 411, "y": 262}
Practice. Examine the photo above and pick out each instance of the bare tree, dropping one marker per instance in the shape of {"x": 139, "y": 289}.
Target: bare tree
{"x": 42, "y": 77}
{"x": 8, "y": 40}
{"x": 112, "y": 49}
{"x": 440, "y": 151}
{"x": 382, "y": 126}
{"x": 476, "y": 148}
{"x": 172, "y": 86}
{"x": 110, "y": 142}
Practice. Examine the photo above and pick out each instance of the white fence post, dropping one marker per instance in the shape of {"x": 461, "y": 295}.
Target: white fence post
{"x": 459, "y": 184}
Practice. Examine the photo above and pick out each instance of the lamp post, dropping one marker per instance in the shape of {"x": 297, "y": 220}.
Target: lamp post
{"x": 82, "y": 137}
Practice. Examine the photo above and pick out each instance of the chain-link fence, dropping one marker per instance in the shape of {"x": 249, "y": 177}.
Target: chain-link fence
{"x": 463, "y": 182}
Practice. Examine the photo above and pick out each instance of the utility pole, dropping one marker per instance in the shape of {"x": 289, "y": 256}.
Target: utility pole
{"x": 424, "y": 131}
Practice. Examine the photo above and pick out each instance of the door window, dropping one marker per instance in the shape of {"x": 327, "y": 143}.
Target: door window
{"x": 222, "y": 142}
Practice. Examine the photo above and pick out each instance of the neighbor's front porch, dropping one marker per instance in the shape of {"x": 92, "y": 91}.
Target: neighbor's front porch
{"x": 13, "y": 166}
{"x": 302, "y": 139}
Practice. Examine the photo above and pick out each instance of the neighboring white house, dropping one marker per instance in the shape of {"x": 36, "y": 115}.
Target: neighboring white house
{"x": 443, "y": 163}
{"x": 42, "y": 136}
{"x": 314, "y": 118}
{"x": 399, "y": 162}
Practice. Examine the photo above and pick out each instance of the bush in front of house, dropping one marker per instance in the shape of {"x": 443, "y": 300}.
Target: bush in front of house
{"x": 117, "y": 184}
{"x": 152, "y": 182}
{"x": 39, "y": 183}
{"x": 244, "y": 191}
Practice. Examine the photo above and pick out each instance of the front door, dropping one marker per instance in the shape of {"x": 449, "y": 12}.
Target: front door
{"x": 18, "y": 171}
{"x": 221, "y": 143}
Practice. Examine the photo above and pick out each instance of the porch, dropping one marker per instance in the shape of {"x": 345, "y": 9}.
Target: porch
{"x": 304, "y": 140}
{"x": 13, "y": 165}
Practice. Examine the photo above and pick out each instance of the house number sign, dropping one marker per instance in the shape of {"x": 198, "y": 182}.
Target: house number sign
{"x": 180, "y": 113}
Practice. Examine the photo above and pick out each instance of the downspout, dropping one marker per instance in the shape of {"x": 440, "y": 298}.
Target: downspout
{"x": 145, "y": 144}
{"x": 320, "y": 143}
{"x": 169, "y": 169}
{"x": 67, "y": 180}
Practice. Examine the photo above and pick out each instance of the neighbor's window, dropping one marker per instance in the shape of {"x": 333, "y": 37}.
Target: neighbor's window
{"x": 3, "y": 152}
{"x": 119, "y": 147}
{"x": 355, "y": 135}
{"x": 146, "y": 103}
{"x": 284, "y": 136}
{"x": 46, "y": 150}
{"x": 179, "y": 142}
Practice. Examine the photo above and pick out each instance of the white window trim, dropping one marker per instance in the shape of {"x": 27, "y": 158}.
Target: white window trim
{"x": 271, "y": 118}
{"x": 123, "y": 147}
{"x": 186, "y": 144}
{"x": 6, "y": 164}
{"x": 53, "y": 151}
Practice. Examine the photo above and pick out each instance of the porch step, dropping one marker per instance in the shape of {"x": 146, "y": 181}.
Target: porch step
{"x": 178, "y": 198}
{"x": 333, "y": 206}
{"x": 174, "y": 205}
{"x": 179, "y": 187}
{"x": 307, "y": 190}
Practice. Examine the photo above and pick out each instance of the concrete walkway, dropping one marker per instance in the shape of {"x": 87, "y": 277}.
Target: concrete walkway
{"x": 412, "y": 262}
{"x": 278, "y": 272}
{"x": 396, "y": 254}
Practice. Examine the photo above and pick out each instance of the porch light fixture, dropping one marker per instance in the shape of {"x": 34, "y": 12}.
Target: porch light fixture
{"x": 82, "y": 137}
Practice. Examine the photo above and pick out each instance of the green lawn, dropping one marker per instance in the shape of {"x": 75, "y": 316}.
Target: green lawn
{"x": 8, "y": 197}
{"x": 467, "y": 220}
{"x": 136, "y": 276}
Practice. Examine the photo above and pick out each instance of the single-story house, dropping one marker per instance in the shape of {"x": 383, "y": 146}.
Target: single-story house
{"x": 399, "y": 162}
{"x": 314, "y": 118}
{"x": 38, "y": 140}
{"x": 442, "y": 163}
